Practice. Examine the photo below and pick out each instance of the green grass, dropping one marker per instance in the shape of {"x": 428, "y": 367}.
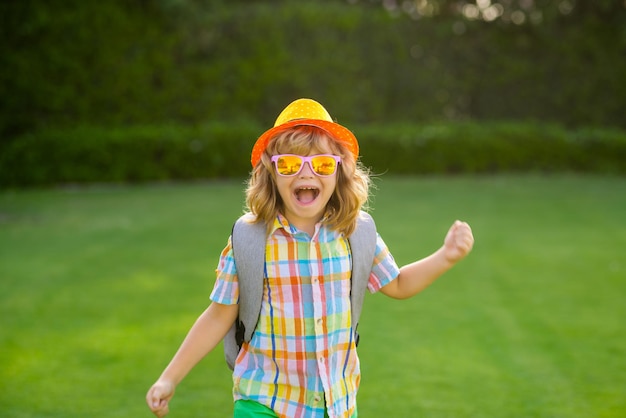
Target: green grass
{"x": 99, "y": 285}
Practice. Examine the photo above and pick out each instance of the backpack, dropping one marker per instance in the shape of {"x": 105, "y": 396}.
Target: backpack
{"x": 248, "y": 242}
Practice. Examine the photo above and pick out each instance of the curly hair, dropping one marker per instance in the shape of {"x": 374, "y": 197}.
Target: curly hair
{"x": 351, "y": 193}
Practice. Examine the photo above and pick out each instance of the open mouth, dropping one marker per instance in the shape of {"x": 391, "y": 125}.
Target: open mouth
{"x": 307, "y": 194}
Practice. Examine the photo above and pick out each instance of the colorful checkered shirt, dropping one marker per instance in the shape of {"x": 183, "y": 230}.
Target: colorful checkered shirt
{"x": 302, "y": 357}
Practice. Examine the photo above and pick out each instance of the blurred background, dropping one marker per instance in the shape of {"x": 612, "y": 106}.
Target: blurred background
{"x": 179, "y": 89}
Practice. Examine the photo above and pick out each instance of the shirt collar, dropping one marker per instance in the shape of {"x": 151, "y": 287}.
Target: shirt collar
{"x": 281, "y": 222}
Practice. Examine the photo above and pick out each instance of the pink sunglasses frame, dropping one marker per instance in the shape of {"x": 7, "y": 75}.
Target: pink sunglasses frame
{"x": 305, "y": 160}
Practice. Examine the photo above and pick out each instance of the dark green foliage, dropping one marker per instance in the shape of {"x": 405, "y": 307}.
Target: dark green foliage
{"x": 142, "y": 153}
{"x": 493, "y": 148}
{"x": 181, "y": 152}
{"x": 118, "y": 90}
{"x": 146, "y": 62}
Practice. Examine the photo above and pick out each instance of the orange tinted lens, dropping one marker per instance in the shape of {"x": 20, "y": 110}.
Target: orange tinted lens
{"x": 288, "y": 165}
{"x": 324, "y": 165}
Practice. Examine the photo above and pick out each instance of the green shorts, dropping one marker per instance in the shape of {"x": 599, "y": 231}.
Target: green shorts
{"x": 252, "y": 409}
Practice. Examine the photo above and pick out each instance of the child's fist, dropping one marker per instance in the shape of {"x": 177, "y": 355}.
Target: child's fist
{"x": 158, "y": 398}
{"x": 459, "y": 241}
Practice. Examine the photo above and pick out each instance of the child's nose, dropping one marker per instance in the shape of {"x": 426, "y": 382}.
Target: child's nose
{"x": 307, "y": 170}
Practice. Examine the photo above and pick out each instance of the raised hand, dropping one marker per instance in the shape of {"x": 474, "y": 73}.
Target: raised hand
{"x": 458, "y": 242}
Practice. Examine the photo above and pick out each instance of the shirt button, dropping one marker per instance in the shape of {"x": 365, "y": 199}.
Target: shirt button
{"x": 319, "y": 321}
{"x": 317, "y": 399}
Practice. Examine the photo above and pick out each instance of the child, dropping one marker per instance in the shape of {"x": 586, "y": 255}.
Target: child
{"x": 307, "y": 187}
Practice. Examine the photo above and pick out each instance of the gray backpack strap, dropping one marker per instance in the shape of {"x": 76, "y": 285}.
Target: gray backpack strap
{"x": 363, "y": 247}
{"x": 248, "y": 243}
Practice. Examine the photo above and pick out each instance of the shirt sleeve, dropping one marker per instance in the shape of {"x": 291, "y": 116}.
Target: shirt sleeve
{"x": 226, "y": 287}
{"x": 384, "y": 268}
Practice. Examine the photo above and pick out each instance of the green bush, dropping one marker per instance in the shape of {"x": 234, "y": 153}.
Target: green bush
{"x": 190, "y": 61}
{"x": 145, "y": 153}
{"x": 493, "y": 147}
{"x": 178, "y": 152}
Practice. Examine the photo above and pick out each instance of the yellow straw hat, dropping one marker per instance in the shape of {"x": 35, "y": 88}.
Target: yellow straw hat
{"x": 309, "y": 113}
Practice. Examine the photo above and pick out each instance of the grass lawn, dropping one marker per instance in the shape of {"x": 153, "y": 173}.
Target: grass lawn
{"x": 99, "y": 285}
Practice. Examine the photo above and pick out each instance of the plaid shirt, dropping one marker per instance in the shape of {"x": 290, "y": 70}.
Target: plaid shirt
{"x": 302, "y": 357}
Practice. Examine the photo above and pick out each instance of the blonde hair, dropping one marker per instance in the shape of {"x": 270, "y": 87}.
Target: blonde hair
{"x": 351, "y": 192}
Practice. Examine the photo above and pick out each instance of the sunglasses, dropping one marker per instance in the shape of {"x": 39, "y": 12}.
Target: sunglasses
{"x": 323, "y": 165}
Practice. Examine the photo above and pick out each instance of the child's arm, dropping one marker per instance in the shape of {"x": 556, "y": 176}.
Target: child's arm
{"x": 416, "y": 276}
{"x": 209, "y": 329}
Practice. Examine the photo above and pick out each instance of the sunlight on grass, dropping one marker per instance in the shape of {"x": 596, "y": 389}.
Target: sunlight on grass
{"x": 100, "y": 285}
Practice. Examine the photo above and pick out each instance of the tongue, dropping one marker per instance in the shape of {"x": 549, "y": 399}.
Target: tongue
{"x": 306, "y": 196}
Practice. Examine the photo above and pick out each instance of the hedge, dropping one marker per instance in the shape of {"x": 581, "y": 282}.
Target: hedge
{"x": 187, "y": 61}
{"x": 493, "y": 148}
{"x": 173, "y": 152}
